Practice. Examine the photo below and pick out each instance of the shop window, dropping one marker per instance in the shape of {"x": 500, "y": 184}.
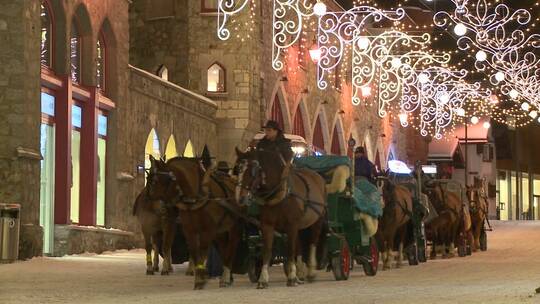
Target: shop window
{"x": 101, "y": 169}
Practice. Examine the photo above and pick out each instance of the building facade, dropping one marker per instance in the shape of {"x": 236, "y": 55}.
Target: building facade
{"x": 89, "y": 89}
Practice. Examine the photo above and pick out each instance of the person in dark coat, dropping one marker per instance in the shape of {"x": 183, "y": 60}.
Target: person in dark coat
{"x": 274, "y": 140}
{"x": 362, "y": 166}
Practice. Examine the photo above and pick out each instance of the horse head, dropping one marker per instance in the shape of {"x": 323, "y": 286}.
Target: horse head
{"x": 160, "y": 181}
{"x": 259, "y": 174}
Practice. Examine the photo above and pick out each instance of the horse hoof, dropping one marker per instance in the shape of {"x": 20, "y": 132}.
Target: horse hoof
{"x": 310, "y": 278}
{"x": 386, "y": 267}
{"x": 156, "y": 269}
{"x": 292, "y": 283}
{"x": 199, "y": 285}
{"x": 224, "y": 284}
{"x": 149, "y": 272}
{"x": 262, "y": 285}
{"x": 189, "y": 273}
{"x": 299, "y": 281}
{"x": 164, "y": 273}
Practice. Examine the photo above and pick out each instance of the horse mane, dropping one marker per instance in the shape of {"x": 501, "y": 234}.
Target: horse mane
{"x": 186, "y": 177}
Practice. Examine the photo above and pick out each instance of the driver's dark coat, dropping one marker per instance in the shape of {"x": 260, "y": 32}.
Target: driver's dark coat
{"x": 280, "y": 144}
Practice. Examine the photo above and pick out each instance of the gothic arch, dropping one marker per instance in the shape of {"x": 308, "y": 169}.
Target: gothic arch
{"x": 279, "y": 94}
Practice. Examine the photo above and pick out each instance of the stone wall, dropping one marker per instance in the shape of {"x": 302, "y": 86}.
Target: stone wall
{"x": 20, "y": 116}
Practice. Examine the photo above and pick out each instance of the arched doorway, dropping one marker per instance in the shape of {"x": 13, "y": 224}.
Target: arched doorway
{"x": 276, "y": 113}
{"x": 318, "y": 137}
{"x": 298, "y": 124}
{"x": 151, "y": 148}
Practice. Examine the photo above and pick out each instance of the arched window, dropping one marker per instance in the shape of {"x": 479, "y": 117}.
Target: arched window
{"x": 151, "y": 148}
{"x": 75, "y": 53}
{"x": 318, "y": 138}
{"x": 276, "y": 113}
{"x": 298, "y": 127}
{"x": 46, "y": 35}
{"x": 170, "y": 150}
{"x": 378, "y": 161}
{"x": 163, "y": 72}
{"x": 216, "y": 78}
{"x": 336, "y": 148}
{"x": 189, "y": 151}
{"x": 100, "y": 63}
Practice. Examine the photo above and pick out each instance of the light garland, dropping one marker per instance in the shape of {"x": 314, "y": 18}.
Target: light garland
{"x": 226, "y": 9}
{"x": 338, "y": 30}
{"x": 502, "y": 50}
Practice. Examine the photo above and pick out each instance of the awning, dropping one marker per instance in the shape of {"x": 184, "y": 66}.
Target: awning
{"x": 476, "y": 134}
{"x": 442, "y": 150}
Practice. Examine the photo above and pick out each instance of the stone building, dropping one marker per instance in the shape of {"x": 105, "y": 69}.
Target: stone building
{"x": 89, "y": 89}
{"x": 78, "y": 123}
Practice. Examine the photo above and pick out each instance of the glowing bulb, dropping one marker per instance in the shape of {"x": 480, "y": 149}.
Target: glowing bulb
{"x": 499, "y": 76}
{"x": 481, "y": 56}
{"x": 493, "y": 99}
{"x": 460, "y": 29}
{"x": 315, "y": 53}
{"x": 444, "y": 98}
{"x": 423, "y": 78}
{"x": 525, "y": 106}
{"x": 403, "y": 118}
{"x": 474, "y": 120}
{"x": 396, "y": 63}
{"x": 487, "y": 125}
{"x": 319, "y": 9}
{"x": 514, "y": 94}
{"x": 366, "y": 91}
{"x": 460, "y": 112}
{"x": 363, "y": 43}
{"x": 533, "y": 114}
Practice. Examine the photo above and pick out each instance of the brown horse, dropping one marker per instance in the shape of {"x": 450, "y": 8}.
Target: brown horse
{"x": 207, "y": 208}
{"x": 290, "y": 200}
{"x": 478, "y": 206}
{"x": 158, "y": 227}
{"x": 397, "y": 213}
{"x": 445, "y": 227}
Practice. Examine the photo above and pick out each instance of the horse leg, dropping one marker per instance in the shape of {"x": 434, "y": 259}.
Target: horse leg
{"x": 312, "y": 259}
{"x": 168, "y": 238}
{"x": 389, "y": 251}
{"x": 156, "y": 239}
{"x": 229, "y": 253}
{"x": 477, "y": 231}
{"x": 190, "y": 270}
{"x": 268, "y": 239}
{"x": 148, "y": 247}
{"x": 292, "y": 240}
{"x": 201, "y": 274}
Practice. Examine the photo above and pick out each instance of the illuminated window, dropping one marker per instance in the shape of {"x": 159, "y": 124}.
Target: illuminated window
{"x": 101, "y": 169}
{"x": 75, "y": 54}
{"x": 163, "y": 72}
{"x": 216, "y": 78}
{"x": 46, "y": 31}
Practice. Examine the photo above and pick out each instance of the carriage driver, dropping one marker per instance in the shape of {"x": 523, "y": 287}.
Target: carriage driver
{"x": 362, "y": 166}
{"x": 274, "y": 140}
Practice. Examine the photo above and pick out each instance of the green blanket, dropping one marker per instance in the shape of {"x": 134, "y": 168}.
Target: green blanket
{"x": 366, "y": 195}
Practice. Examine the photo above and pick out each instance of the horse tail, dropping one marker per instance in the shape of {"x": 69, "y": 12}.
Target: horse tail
{"x": 138, "y": 200}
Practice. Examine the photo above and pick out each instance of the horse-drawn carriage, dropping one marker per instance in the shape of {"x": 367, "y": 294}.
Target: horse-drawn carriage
{"x": 345, "y": 238}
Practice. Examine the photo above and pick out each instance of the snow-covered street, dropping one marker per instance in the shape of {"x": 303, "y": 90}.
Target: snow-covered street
{"x": 508, "y": 272}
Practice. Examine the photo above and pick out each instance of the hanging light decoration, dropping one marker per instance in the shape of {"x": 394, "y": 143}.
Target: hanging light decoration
{"x": 226, "y": 9}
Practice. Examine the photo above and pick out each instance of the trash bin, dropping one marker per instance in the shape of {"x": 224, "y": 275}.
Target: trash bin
{"x": 9, "y": 232}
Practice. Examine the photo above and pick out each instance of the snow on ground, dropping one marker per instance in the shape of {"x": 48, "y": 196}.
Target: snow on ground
{"x": 508, "y": 272}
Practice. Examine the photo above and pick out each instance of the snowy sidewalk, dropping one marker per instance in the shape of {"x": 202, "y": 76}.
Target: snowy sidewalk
{"x": 508, "y": 272}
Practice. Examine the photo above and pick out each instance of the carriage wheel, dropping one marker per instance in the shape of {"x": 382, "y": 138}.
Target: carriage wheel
{"x": 483, "y": 240}
{"x": 370, "y": 269}
{"x": 341, "y": 264}
{"x": 254, "y": 269}
{"x": 412, "y": 254}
